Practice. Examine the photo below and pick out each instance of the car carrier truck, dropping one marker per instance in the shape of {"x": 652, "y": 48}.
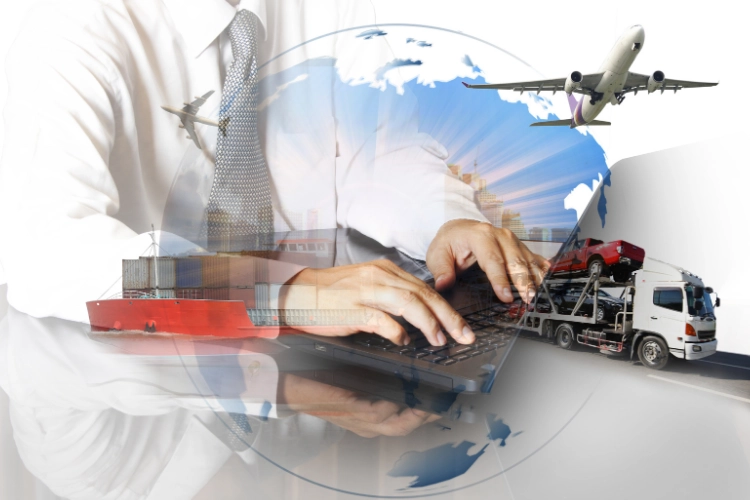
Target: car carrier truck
{"x": 666, "y": 310}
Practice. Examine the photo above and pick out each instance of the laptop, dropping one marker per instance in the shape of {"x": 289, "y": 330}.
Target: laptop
{"x": 453, "y": 367}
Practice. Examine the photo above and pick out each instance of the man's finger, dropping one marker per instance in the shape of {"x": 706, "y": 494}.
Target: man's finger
{"x": 380, "y": 323}
{"x": 408, "y": 304}
{"x": 538, "y": 265}
{"x": 517, "y": 265}
{"x": 490, "y": 259}
{"x": 441, "y": 263}
{"x": 449, "y": 319}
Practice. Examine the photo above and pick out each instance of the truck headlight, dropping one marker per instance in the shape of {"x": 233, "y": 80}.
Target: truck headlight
{"x": 619, "y": 249}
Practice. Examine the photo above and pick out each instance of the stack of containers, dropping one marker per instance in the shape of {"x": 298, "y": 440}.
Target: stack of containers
{"x": 189, "y": 278}
{"x": 262, "y": 287}
{"x": 242, "y": 280}
{"x": 138, "y": 277}
{"x": 215, "y": 278}
{"x": 135, "y": 277}
{"x": 164, "y": 286}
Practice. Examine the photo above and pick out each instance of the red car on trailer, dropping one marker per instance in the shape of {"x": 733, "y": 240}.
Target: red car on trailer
{"x": 592, "y": 256}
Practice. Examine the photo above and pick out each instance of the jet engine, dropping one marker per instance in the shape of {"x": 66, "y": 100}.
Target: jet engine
{"x": 655, "y": 81}
{"x": 573, "y": 82}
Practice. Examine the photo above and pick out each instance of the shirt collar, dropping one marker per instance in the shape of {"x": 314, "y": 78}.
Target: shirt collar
{"x": 200, "y": 22}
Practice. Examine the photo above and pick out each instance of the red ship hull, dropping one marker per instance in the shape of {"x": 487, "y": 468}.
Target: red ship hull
{"x": 213, "y": 318}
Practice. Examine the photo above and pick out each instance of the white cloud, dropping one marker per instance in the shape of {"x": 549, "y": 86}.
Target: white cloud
{"x": 580, "y": 196}
{"x": 268, "y": 100}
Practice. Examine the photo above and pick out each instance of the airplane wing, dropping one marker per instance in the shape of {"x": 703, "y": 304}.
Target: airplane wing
{"x": 636, "y": 82}
{"x": 189, "y": 127}
{"x": 192, "y": 108}
{"x": 588, "y": 84}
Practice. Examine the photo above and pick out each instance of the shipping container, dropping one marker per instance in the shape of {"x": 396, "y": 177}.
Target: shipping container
{"x": 135, "y": 274}
{"x": 189, "y": 293}
{"x": 166, "y": 267}
{"x": 241, "y": 272}
{"x": 135, "y": 294}
{"x": 247, "y": 295}
{"x": 215, "y": 272}
{"x": 261, "y": 270}
{"x": 216, "y": 293}
{"x": 189, "y": 272}
{"x": 262, "y": 296}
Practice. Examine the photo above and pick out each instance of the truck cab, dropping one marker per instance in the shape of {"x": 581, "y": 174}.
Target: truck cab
{"x": 672, "y": 311}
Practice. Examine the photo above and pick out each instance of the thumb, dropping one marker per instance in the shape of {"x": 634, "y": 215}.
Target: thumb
{"x": 441, "y": 264}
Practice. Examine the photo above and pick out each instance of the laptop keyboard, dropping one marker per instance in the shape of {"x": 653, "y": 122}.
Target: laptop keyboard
{"x": 489, "y": 337}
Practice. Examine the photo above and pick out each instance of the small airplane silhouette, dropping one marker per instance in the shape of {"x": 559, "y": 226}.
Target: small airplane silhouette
{"x": 188, "y": 117}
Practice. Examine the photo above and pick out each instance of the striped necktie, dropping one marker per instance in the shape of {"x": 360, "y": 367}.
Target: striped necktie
{"x": 239, "y": 206}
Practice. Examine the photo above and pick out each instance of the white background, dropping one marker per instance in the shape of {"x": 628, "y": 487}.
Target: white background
{"x": 686, "y": 40}
{"x": 705, "y": 42}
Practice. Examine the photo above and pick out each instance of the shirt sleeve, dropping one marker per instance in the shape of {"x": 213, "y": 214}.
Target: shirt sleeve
{"x": 60, "y": 243}
{"x": 392, "y": 181}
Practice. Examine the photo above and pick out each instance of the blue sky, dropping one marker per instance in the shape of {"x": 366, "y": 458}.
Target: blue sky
{"x": 532, "y": 169}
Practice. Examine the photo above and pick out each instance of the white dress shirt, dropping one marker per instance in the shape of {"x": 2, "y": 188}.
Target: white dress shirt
{"x": 90, "y": 158}
{"x": 96, "y": 421}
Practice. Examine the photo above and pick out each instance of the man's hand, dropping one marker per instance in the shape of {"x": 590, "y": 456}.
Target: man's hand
{"x": 379, "y": 288}
{"x": 460, "y": 243}
{"x": 347, "y": 409}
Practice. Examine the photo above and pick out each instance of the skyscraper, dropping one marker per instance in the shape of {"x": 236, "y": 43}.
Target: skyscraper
{"x": 540, "y": 234}
{"x": 512, "y": 221}
{"x": 561, "y": 234}
{"x": 488, "y": 203}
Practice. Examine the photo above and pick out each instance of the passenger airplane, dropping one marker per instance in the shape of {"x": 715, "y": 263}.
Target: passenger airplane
{"x": 608, "y": 86}
{"x": 188, "y": 117}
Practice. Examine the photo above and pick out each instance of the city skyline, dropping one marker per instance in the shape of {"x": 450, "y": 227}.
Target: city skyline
{"x": 493, "y": 207}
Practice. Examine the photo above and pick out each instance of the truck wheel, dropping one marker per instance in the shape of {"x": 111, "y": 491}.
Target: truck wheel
{"x": 596, "y": 266}
{"x": 653, "y": 352}
{"x": 566, "y": 337}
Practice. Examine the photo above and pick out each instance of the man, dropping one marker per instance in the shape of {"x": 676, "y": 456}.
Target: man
{"x": 90, "y": 159}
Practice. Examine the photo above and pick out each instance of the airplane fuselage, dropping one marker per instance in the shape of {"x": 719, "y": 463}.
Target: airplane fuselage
{"x": 615, "y": 69}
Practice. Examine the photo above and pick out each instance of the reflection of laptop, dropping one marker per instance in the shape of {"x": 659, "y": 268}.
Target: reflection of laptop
{"x": 454, "y": 367}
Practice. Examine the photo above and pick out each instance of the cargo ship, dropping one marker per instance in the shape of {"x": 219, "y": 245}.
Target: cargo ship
{"x": 212, "y": 295}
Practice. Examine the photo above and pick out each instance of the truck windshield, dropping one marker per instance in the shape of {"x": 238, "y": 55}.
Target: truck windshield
{"x": 704, "y": 301}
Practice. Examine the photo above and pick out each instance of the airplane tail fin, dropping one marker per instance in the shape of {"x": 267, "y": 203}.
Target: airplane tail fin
{"x": 573, "y": 102}
{"x": 552, "y": 123}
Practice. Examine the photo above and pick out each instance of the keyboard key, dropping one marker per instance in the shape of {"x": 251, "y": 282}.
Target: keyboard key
{"x": 476, "y": 352}
{"x": 416, "y": 354}
{"x": 433, "y": 358}
{"x": 498, "y": 345}
{"x": 435, "y": 348}
{"x": 474, "y": 316}
{"x": 399, "y": 349}
{"x": 461, "y": 357}
{"x": 364, "y": 338}
{"x": 448, "y": 362}
{"x": 419, "y": 342}
{"x": 454, "y": 351}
